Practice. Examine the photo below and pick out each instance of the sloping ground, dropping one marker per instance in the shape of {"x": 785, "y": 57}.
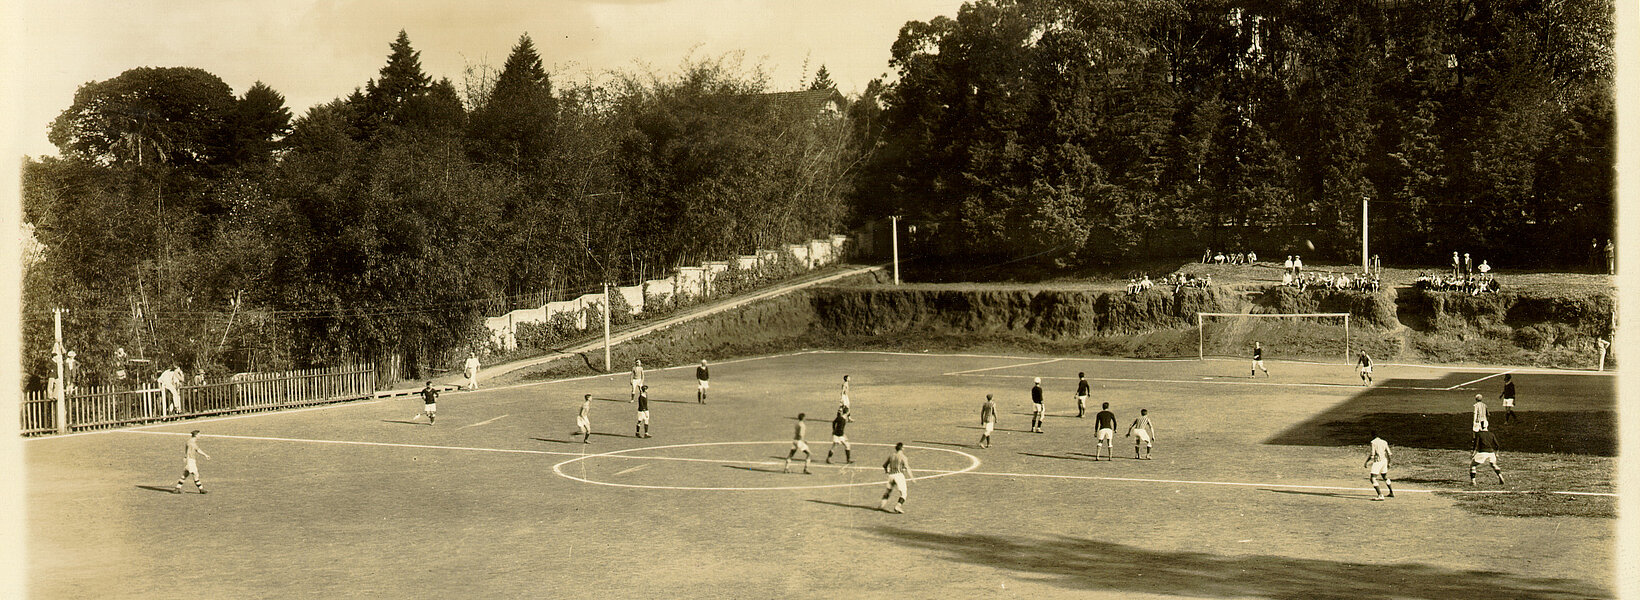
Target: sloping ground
{"x": 1555, "y": 321}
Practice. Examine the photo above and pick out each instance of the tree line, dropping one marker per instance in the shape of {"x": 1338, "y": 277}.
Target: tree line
{"x": 1089, "y": 132}
{"x": 192, "y": 226}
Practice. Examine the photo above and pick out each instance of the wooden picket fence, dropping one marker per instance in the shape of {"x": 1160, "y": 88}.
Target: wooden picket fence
{"x": 107, "y": 407}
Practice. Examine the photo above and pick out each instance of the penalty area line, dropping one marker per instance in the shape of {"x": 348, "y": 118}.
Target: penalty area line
{"x": 1040, "y": 362}
{"x": 1480, "y": 379}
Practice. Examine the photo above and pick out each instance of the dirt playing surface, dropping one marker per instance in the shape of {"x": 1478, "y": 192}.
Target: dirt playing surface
{"x": 1256, "y": 490}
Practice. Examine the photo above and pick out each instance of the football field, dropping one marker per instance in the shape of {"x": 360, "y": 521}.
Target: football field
{"x": 1256, "y": 489}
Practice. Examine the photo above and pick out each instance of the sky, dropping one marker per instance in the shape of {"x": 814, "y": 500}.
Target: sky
{"x": 313, "y": 51}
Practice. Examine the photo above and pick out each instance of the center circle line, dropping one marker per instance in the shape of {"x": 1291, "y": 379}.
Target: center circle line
{"x": 559, "y": 468}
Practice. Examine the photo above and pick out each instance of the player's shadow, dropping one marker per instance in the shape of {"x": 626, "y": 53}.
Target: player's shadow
{"x": 1328, "y": 494}
{"x": 869, "y": 507}
{"x": 1058, "y": 456}
{"x": 994, "y": 429}
{"x": 1576, "y": 414}
{"x": 1091, "y": 456}
{"x": 157, "y": 488}
{"x": 553, "y": 440}
{"x": 952, "y": 444}
{"x": 1092, "y": 566}
{"x": 401, "y": 422}
{"x": 760, "y": 470}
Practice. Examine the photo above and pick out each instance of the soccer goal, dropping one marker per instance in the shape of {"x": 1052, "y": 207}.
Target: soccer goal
{"x": 1298, "y": 335}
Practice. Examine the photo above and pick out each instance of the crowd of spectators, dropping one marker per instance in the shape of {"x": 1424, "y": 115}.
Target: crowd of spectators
{"x": 1473, "y": 285}
{"x": 1229, "y": 258}
{"x": 1332, "y": 281}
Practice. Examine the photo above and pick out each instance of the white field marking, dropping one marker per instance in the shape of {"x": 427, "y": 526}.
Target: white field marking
{"x": 379, "y": 399}
{"x": 625, "y": 471}
{"x": 212, "y": 419}
{"x": 1480, "y": 380}
{"x": 1270, "y": 485}
{"x": 504, "y": 450}
{"x": 1040, "y": 362}
{"x": 559, "y": 469}
{"x": 626, "y": 375}
{"x": 1218, "y": 382}
{"x": 962, "y": 355}
{"x": 355, "y": 443}
{"x": 484, "y": 422}
{"x": 970, "y": 470}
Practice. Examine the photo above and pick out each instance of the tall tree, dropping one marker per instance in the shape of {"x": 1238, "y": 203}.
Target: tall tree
{"x": 513, "y": 123}
{"x": 148, "y": 115}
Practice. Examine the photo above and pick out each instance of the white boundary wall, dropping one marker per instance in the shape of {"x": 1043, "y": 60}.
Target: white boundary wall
{"x": 691, "y": 281}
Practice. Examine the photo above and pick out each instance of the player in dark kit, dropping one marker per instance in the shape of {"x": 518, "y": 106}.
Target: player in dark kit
{"x": 641, "y": 430}
{"x": 1036, "y": 405}
{"x": 1258, "y": 361}
{"x": 701, "y": 382}
{"x": 1363, "y": 365}
{"x": 1081, "y": 394}
{"x": 429, "y": 399}
{"x": 1486, "y": 451}
{"x": 838, "y": 423}
{"x": 1508, "y": 396}
{"x": 1105, "y": 422}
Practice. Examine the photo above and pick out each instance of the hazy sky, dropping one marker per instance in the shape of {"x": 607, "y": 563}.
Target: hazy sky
{"x": 315, "y": 50}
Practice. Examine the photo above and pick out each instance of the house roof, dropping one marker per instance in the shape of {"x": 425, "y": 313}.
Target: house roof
{"x": 810, "y": 100}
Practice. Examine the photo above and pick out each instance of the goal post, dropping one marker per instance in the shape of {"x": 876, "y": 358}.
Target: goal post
{"x": 1312, "y": 333}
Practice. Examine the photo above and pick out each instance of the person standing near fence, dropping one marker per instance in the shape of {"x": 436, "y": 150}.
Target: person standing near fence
{"x": 170, "y": 389}
{"x": 470, "y": 369}
{"x": 190, "y": 465}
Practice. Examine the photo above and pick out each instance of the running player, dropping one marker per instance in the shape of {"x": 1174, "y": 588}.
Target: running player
{"x": 1105, "y": 421}
{"x": 1377, "y": 466}
{"x": 701, "y": 383}
{"x": 1479, "y": 421}
{"x": 1508, "y": 396}
{"x": 1258, "y": 361}
{"x": 842, "y": 399}
{"x": 1036, "y": 405}
{"x": 641, "y": 430}
{"x": 1081, "y": 394}
{"x": 583, "y": 419}
{"x": 987, "y": 420}
{"x": 1486, "y": 451}
{"x": 1146, "y": 432}
{"x": 899, "y": 470}
{"x": 637, "y": 379}
{"x": 838, "y": 437}
{"x": 798, "y": 445}
{"x": 429, "y": 406}
{"x": 1363, "y": 364}
{"x": 190, "y": 466}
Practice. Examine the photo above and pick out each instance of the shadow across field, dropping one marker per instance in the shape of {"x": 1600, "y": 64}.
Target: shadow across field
{"x": 1571, "y": 414}
{"x": 1081, "y": 564}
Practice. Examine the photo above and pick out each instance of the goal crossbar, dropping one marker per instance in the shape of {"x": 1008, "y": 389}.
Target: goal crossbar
{"x": 1201, "y": 329}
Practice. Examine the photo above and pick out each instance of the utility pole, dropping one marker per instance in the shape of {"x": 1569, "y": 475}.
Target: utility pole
{"x": 894, "y": 222}
{"x": 1365, "y": 257}
{"x": 62, "y": 383}
{"x": 607, "y": 306}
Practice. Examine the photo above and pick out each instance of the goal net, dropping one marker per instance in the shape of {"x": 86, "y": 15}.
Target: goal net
{"x": 1313, "y": 336}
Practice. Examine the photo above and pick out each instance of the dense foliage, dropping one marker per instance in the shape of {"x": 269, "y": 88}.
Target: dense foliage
{"x": 1086, "y": 131}
{"x": 190, "y": 226}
